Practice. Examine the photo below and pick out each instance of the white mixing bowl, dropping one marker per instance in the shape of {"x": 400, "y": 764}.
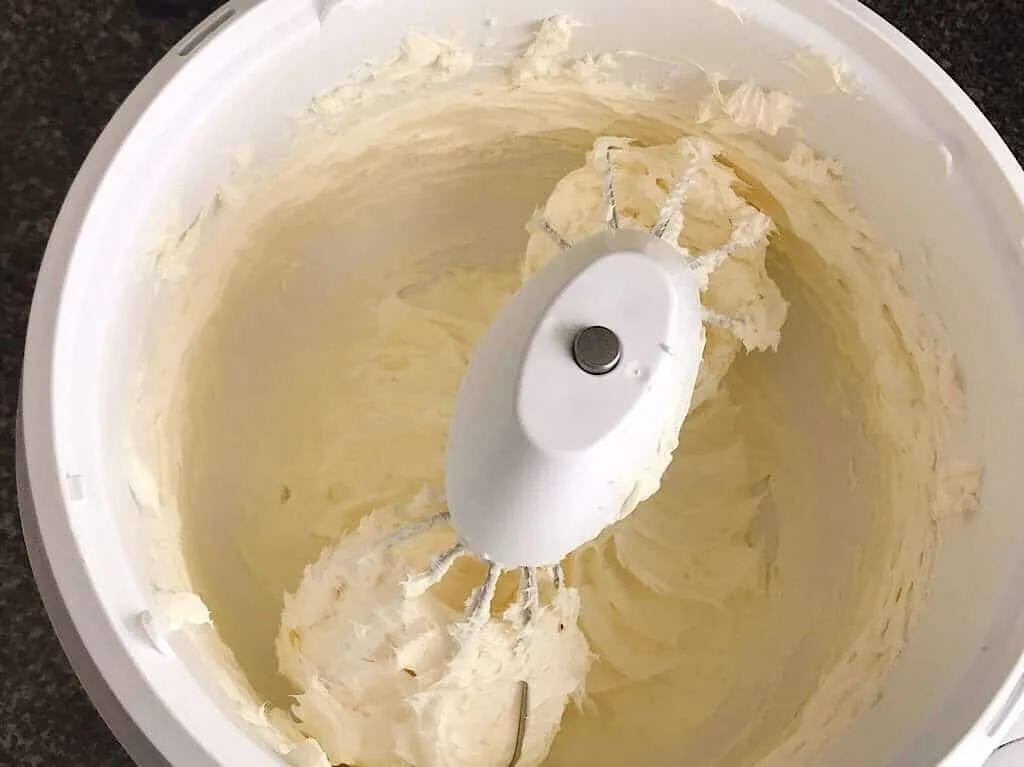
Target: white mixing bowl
{"x": 924, "y": 166}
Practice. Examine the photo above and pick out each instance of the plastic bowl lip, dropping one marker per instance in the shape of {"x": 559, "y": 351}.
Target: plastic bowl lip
{"x": 936, "y": 76}
{"x": 121, "y": 689}
{"x": 103, "y": 698}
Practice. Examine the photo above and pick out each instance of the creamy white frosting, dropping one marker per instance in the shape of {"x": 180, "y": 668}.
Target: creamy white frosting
{"x": 388, "y": 679}
{"x": 324, "y": 315}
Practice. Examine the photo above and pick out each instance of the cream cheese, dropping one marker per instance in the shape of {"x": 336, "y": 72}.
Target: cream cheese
{"x": 324, "y": 315}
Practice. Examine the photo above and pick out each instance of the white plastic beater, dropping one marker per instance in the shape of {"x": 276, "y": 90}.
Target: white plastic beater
{"x": 567, "y": 400}
{"x": 572, "y": 400}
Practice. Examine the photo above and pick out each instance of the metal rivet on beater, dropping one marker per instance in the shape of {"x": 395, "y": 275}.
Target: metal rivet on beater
{"x": 597, "y": 350}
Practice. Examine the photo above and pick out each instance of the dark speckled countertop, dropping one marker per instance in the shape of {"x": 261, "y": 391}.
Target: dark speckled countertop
{"x": 64, "y": 68}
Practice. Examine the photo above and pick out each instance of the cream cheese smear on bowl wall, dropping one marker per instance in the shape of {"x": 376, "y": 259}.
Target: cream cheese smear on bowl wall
{"x": 317, "y": 319}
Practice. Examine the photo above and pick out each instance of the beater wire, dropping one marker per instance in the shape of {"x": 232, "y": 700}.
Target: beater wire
{"x": 524, "y": 705}
{"x": 479, "y": 607}
{"x": 438, "y": 568}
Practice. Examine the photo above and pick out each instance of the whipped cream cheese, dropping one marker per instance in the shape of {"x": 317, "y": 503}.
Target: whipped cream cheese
{"x": 297, "y": 407}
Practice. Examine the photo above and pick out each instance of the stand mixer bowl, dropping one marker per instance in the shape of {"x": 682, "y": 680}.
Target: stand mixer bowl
{"x": 953, "y": 206}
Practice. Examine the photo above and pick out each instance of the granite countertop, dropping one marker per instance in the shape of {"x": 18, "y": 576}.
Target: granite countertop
{"x": 64, "y": 68}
